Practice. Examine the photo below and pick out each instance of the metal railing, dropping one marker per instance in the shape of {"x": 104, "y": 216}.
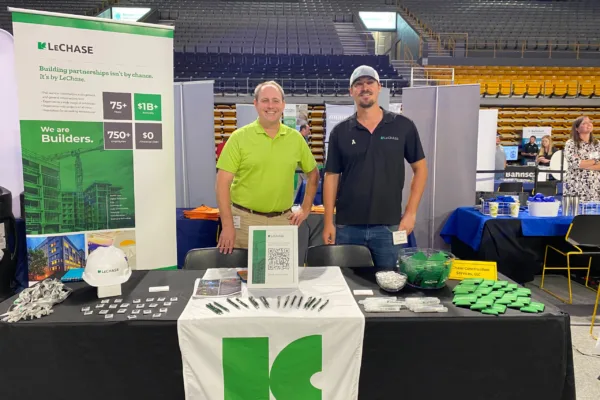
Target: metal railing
{"x": 293, "y": 87}
{"x": 447, "y": 42}
{"x": 430, "y": 76}
{"x": 530, "y": 47}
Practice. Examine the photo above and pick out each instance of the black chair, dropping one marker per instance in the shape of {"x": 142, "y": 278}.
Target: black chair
{"x": 211, "y": 258}
{"x": 546, "y": 188}
{"x": 506, "y": 187}
{"x": 344, "y": 255}
{"x": 582, "y": 239}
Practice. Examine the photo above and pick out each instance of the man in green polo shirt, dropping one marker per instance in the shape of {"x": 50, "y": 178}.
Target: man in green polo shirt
{"x": 255, "y": 182}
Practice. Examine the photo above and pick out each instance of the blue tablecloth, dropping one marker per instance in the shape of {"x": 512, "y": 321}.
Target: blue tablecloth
{"x": 192, "y": 234}
{"x": 466, "y": 223}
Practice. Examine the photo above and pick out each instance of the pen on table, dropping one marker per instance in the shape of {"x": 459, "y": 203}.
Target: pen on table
{"x": 278, "y": 301}
{"x": 242, "y": 303}
{"x": 323, "y": 306}
{"x": 213, "y": 309}
{"x": 300, "y": 301}
{"x": 220, "y": 306}
{"x": 316, "y": 304}
{"x": 254, "y": 302}
{"x": 265, "y": 301}
{"x": 232, "y": 303}
{"x": 287, "y": 298}
{"x": 311, "y": 302}
{"x": 293, "y": 300}
{"x": 308, "y": 301}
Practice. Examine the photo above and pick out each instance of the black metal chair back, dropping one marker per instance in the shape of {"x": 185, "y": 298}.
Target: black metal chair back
{"x": 507, "y": 187}
{"x": 546, "y": 188}
{"x": 344, "y": 255}
{"x": 585, "y": 231}
{"x": 211, "y": 258}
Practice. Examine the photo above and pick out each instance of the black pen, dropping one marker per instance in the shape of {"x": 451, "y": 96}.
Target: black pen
{"x": 254, "y": 302}
{"x": 300, "y": 301}
{"x": 265, "y": 302}
{"x": 278, "y": 301}
{"x": 308, "y": 301}
{"x": 232, "y": 303}
{"x": 293, "y": 301}
{"x": 220, "y": 306}
{"x": 323, "y": 306}
{"x": 242, "y": 303}
{"x": 287, "y": 298}
{"x": 316, "y": 304}
{"x": 213, "y": 309}
{"x": 311, "y": 302}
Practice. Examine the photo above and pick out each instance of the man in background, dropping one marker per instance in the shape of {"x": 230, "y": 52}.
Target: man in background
{"x": 500, "y": 159}
{"x": 365, "y": 160}
{"x": 255, "y": 182}
{"x": 305, "y": 131}
{"x": 530, "y": 151}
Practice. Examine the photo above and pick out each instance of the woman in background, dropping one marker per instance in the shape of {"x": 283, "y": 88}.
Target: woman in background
{"x": 546, "y": 151}
{"x": 582, "y": 152}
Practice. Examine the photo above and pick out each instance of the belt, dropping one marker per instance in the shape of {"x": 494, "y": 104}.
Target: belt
{"x": 268, "y": 215}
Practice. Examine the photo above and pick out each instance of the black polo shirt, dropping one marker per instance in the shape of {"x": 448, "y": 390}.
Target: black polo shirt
{"x": 531, "y": 148}
{"x": 372, "y": 168}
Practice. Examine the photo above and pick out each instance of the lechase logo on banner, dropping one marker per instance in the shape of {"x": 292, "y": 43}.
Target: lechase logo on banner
{"x": 65, "y": 48}
{"x": 246, "y": 372}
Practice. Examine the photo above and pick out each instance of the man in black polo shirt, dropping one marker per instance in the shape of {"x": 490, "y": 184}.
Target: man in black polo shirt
{"x": 365, "y": 161}
{"x": 530, "y": 151}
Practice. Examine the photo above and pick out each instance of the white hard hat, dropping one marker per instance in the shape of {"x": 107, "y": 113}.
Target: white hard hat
{"x": 106, "y": 266}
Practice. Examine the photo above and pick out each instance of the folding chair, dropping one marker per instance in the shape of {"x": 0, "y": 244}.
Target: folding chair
{"x": 546, "y": 188}
{"x": 583, "y": 238}
{"x": 507, "y": 187}
{"x": 211, "y": 258}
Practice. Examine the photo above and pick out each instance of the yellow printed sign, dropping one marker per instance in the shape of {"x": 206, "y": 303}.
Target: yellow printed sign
{"x": 462, "y": 269}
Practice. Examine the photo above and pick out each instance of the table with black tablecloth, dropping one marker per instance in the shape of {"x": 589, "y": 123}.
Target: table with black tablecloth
{"x": 459, "y": 354}
{"x": 516, "y": 244}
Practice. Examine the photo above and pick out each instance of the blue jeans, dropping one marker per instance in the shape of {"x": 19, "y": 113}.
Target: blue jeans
{"x": 378, "y": 238}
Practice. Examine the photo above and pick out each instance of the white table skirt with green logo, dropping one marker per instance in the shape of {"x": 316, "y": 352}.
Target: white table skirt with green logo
{"x": 275, "y": 353}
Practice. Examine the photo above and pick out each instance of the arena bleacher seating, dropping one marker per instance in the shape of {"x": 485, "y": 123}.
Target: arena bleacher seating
{"x": 511, "y": 121}
{"x": 519, "y": 81}
{"x": 298, "y": 74}
{"x": 510, "y": 27}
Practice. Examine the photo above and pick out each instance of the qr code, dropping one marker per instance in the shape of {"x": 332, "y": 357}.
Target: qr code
{"x": 278, "y": 259}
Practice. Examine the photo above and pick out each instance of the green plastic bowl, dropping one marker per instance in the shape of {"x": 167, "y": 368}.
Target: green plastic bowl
{"x": 425, "y": 268}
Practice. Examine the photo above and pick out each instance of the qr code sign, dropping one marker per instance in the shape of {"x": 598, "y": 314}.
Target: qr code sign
{"x": 278, "y": 259}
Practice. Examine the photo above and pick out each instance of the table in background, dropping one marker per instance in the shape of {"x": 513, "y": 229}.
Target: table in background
{"x": 516, "y": 244}
{"x": 420, "y": 356}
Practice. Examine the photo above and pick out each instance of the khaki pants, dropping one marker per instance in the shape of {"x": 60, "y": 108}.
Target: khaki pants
{"x": 248, "y": 219}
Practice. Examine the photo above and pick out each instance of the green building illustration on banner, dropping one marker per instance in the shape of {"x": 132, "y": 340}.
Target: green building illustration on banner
{"x": 71, "y": 182}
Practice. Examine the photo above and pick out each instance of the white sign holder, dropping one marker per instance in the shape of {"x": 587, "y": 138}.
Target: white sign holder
{"x": 273, "y": 257}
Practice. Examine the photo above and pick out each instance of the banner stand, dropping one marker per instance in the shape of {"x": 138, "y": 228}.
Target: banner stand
{"x": 96, "y": 118}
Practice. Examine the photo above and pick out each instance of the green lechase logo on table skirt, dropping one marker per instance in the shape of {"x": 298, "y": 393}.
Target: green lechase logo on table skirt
{"x": 246, "y": 372}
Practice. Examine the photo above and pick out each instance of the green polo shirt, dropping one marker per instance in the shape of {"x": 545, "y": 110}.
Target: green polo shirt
{"x": 264, "y": 168}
